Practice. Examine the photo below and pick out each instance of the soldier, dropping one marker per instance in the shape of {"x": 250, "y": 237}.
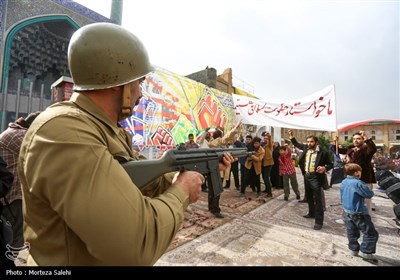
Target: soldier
{"x": 81, "y": 207}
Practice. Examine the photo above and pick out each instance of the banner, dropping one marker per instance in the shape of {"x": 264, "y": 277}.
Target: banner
{"x": 173, "y": 106}
{"x": 315, "y": 112}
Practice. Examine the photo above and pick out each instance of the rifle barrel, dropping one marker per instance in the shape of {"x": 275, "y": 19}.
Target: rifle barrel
{"x": 144, "y": 171}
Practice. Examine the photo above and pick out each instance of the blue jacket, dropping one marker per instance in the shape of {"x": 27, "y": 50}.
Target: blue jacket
{"x": 353, "y": 193}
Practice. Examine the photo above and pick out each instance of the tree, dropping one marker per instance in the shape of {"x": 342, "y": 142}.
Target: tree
{"x": 324, "y": 144}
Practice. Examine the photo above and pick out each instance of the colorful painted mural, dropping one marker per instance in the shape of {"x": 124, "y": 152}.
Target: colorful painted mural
{"x": 173, "y": 106}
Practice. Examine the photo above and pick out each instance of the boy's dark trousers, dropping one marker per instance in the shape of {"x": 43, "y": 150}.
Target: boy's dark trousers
{"x": 356, "y": 223}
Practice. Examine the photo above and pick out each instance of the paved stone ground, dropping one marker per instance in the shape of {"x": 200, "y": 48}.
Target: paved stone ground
{"x": 272, "y": 232}
{"x": 198, "y": 220}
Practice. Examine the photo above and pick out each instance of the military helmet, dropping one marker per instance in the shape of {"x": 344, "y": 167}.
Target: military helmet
{"x": 105, "y": 55}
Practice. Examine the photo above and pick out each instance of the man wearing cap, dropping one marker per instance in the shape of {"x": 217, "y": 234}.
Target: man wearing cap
{"x": 10, "y": 145}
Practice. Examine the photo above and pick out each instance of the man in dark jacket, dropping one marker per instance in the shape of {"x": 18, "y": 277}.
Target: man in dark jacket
{"x": 6, "y": 180}
{"x": 276, "y": 179}
{"x": 313, "y": 163}
{"x": 10, "y": 145}
{"x": 361, "y": 152}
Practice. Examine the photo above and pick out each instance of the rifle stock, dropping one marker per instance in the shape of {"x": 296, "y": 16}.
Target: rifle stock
{"x": 204, "y": 161}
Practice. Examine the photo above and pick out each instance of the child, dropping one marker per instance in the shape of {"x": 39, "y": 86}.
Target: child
{"x": 288, "y": 172}
{"x": 353, "y": 193}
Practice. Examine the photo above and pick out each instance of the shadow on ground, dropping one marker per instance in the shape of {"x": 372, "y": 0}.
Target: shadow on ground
{"x": 272, "y": 232}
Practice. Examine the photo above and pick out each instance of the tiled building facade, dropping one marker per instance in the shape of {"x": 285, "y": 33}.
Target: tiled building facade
{"x": 34, "y": 36}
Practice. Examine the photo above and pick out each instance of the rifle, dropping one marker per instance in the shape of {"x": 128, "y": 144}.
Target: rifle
{"x": 204, "y": 161}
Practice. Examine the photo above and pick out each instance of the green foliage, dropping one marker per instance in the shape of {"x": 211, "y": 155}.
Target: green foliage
{"x": 347, "y": 143}
{"x": 324, "y": 144}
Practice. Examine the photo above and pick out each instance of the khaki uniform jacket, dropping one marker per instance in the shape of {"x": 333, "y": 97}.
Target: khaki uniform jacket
{"x": 221, "y": 142}
{"x": 256, "y": 160}
{"x": 80, "y": 206}
{"x": 268, "y": 159}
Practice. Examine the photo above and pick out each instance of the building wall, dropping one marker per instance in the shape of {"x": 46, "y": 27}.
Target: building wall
{"x": 301, "y": 134}
{"x": 224, "y": 81}
{"x": 207, "y": 77}
{"x": 385, "y": 136}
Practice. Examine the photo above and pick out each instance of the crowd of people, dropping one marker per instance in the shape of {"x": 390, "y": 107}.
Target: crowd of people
{"x": 314, "y": 163}
{"x": 77, "y": 204}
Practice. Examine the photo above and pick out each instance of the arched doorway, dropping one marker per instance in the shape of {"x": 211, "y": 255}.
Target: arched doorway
{"x": 35, "y": 55}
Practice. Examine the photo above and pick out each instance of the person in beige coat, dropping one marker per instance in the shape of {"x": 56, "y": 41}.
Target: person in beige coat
{"x": 268, "y": 162}
{"x": 253, "y": 167}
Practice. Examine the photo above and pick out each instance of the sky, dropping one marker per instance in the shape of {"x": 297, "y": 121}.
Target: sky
{"x": 279, "y": 49}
